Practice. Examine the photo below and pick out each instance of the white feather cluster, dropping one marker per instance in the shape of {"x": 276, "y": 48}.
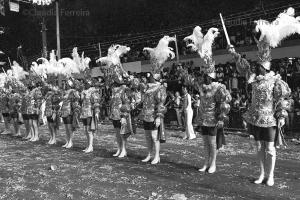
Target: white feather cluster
{"x": 274, "y": 32}
{"x": 64, "y": 66}
{"x": 160, "y": 54}
{"x": 202, "y": 44}
{"x": 17, "y": 71}
{"x": 115, "y": 52}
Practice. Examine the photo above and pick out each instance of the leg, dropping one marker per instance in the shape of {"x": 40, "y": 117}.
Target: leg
{"x": 149, "y": 145}
{"x": 16, "y": 127}
{"x": 54, "y": 133}
{"x": 27, "y": 129}
{"x": 87, "y": 136}
{"x": 90, "y": 137}
{"x": 50, "y": 127}
{"x": 154, "y": 135}
{"x": 270, "y": 162}
{"x": 260, "y": 145}
{"x": 212, "y": 143}
{"x": 36, "y": 130}
{"x": 119, "y": 142}
{"x": 70, "y": 134}
{"x": 206, "y": 154}
{"x": 6, "y": 124}
{"x": 123, "y": 146}
{"x": 31, "y": 130}
{"x": 67, "y": 135}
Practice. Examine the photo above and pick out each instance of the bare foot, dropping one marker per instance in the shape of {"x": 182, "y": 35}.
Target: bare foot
{"x": 155, "y": 161}
{"x": 89, "y": 150}
{"x": 117, "y": 153}
{"x": 70, "y": 145}
{"x": 147, "y": 159}
{"x": 123, "y": 154}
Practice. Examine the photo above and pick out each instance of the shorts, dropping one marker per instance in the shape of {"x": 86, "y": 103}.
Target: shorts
{"x": 68, "y": 119}
{"x": 50, "y": 120}
{"x": 87, "y": 121}
{"x": 25, "y": 116}
{"x": 149, "y": 126}
{"x": 116, "y": 123}
{"x": 210, "y": 131}
{"x": 34, "y": 117}
{"x": 5, "y": 114}
{"x": 14, "y": 115}
{"x": 263, "y": 134}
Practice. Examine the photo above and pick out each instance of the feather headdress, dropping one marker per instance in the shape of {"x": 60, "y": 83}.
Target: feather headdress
{"x": 113, "y": 69}
{"x": 273, "y": 33}
{"x": 160, "y": 54}
{"x": 203, "y": 46}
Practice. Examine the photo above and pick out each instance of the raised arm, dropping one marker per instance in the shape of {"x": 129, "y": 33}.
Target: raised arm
{"x": 242, "y": 65}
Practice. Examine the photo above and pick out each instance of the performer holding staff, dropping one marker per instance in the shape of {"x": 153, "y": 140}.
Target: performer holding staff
{"x": 270, "y": 94}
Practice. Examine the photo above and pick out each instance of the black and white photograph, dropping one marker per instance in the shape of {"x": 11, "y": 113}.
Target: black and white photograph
{"x": 149, "y": 99}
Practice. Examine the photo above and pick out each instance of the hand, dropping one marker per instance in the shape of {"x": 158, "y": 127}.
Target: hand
{"x": 281, "y": 122}
{"x": 157, "y": 122}
{"x": 220, "y": 124}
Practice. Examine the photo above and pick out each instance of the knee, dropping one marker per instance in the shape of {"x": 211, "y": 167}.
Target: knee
{"x": 260, "y": 148}
{"x": 271, "y": 151}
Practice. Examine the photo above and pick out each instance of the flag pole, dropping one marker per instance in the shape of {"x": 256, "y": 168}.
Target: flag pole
{"x": 176, "y": 46}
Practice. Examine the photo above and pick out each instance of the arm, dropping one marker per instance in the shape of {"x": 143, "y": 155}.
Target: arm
{"x": 282, "y": 99}
{"x": 242, "y": 65}
{"x": 161, "y": 96}
{"x": 222, "y": 98}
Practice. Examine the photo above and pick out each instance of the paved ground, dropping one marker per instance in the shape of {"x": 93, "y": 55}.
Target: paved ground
{"x": 25, "y": 170}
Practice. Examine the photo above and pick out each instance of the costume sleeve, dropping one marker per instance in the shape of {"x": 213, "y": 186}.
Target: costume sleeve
{"x": 282, "y": 98}
{"x": 126, "y": 103}
{"x": 222, "y": 98}
{"x": 242, "y": 65}
{"x": 161, "y": 97}
{"x": 96, "y": 99}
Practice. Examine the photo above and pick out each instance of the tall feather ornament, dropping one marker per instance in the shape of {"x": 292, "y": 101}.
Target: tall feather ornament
{"x": 202, "y": 44}
{"x": 284, "y": 26}
{"x": 160, "y": 54}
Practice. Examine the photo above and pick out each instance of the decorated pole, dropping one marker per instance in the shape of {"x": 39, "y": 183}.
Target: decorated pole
{"x": 176, "y": 46}
{"x": 225, "y": 30}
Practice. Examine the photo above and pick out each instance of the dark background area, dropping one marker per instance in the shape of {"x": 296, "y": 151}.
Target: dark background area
{"x": 108, "y": 20}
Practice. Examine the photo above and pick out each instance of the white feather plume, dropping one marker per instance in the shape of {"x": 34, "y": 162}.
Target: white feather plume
{"x": 202, "y": 44}
{"x": 18, "y": 71}
{"x": 115, "y": 52}
{"x": 160, "y": 54}
{"x": 284, "y": 26}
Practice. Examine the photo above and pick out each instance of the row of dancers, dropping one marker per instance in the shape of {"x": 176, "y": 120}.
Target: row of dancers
{"x": 270, "y": 99}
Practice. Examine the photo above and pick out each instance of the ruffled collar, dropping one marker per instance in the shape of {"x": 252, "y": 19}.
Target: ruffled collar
{"x": 209, "y": 90}
{"x": 269, "y": 76}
